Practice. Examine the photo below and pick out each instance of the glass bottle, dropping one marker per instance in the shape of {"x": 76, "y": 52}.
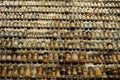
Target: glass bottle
{"x": 39, "y": 71}
{"x": 8, "y": 58}
{"x": 53, "y": 72}
{"x": 91, "y": 72}
{"x": 85, "y": 72}
{"x": 56, "y": 45}
{"x": 43, "y": 45}
{"x": 72, "y": 25}
{"x": 68, "y": 57}
{"x": 58, "y": 73}
{"x": 21, "y": 71}
{"x": 24, "y": 57}
{"x": 74, "y": 71}
{"x": 45, "y": 57}
{"x": 9, "y": 72}
{"x": 18, "y": 58}
{"x": 55, "y": 34}
{"x": 27, "y": 70}
{"x": 61, "y": 58}
{"x": 74, "y": 57}
{"x": 69, "y": 70}
{"x": 79, "y": 71}
{"x": 40, "y": 58}
{"x": 33, "y": 72}
{"x": 35, "y": 57}
{"x": 4, "y": 71}
{"x": 97, "y": 71}
{"x": 15, "y": 72}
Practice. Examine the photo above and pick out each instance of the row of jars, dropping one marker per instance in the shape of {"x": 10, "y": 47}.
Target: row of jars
{"x": 98, "y": 34}
{"x": 61, "y": 3}
{"x": 60, "y": 9}
{"x": 12, "y": 33}
{"x": 34, "y": 71}
{"x": 82, "y": 34}
{"x": 59, "y": 58}
{"x": 58, "y": 16}
{"x": 67, "y": 45}
{"x": 61, "y": 24}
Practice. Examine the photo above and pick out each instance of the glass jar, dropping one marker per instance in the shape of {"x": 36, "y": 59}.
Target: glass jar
{"x": 91, "y": 72}
{"x": 74, "y": 71}
{"x": 27, "y": 70}
{"x": 97, "y": 71}
{"x": 4, "y": 71}
{"x": 39, "y": 71}
{"x": 74, "y": 57}
{"x": 45, "y": 58}
{"x": 68, "y": 57}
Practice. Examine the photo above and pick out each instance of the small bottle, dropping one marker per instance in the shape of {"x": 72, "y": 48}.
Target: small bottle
{"x": 43, "y": 45}
{"x": 85, "y": 72}
{"x": 40, "y": 71}
{"x": 3, "y": 58}
{"x": 55, "y": 35}
{"x": 8, "y": 58}
{"x": 4, "y": 71}
{"x": 58, "y": 74}
{"x": 72, "y": 25}
{"x": 74, "y": 57}
{"x": 29, "y": 57}
{"x": 79, "y": 71}
{"x": 40, "y": 58}
{"x": 70, "y": 46}
{"x": 10, "y": 69}
{"x": 91, "y": 72}
{"x": 15, "y": 72}
{"x": 56, "y": 45}
{"x": 45, "y": 58}
{"x": 61, "y": 58}
{"x": 34, "y": 72}
{"x": 22, "y": 71}
{"x": 18, "y": 58}
{"x": 63, "y": 72}
{"x": 53, "y": 72}
{"x": 55, "y": 57}
{"x": 74, "y": 71}
{"x": 35, "y": 57}
{"x": 68, "y": 57}
{"x": 27, "y": 71}
{"x": 24, "y": 58}
{"x": 50, "y": 56}
{"x": 97, "y": 71}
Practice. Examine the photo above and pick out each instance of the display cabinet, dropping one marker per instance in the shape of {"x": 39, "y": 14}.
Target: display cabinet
{"x": 60, "y": 39}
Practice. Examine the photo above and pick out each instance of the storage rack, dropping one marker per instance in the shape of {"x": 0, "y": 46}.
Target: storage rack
{"x": 55, "y": 39}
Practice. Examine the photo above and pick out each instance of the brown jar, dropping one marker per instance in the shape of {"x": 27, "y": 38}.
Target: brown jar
{"x": 45, "y": 58}
{"x": 74, "y": 57}
{"x": 97, "y": 71}
{"x": 4, "y": 71}
{"x": 21, "y": 71}
{"x": 91, "y": 72}
{"x": 68, "y": 57}
{"x": 39, "y": 71}
{"x": 27, "y": 71}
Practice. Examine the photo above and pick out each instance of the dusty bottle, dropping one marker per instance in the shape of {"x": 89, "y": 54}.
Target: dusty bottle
{"x": 68, "y": 57}
{"x": 74, "y": 57}
{"x": 97, "y": 71}
{"x": 39, "y": 71}
{"x": 33, "y": 72}
{"x": 21, "y": 71}
{"x": 4, "y": 71}
{"x": 27, "y": 71}
{"x": 45, "y": 57}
